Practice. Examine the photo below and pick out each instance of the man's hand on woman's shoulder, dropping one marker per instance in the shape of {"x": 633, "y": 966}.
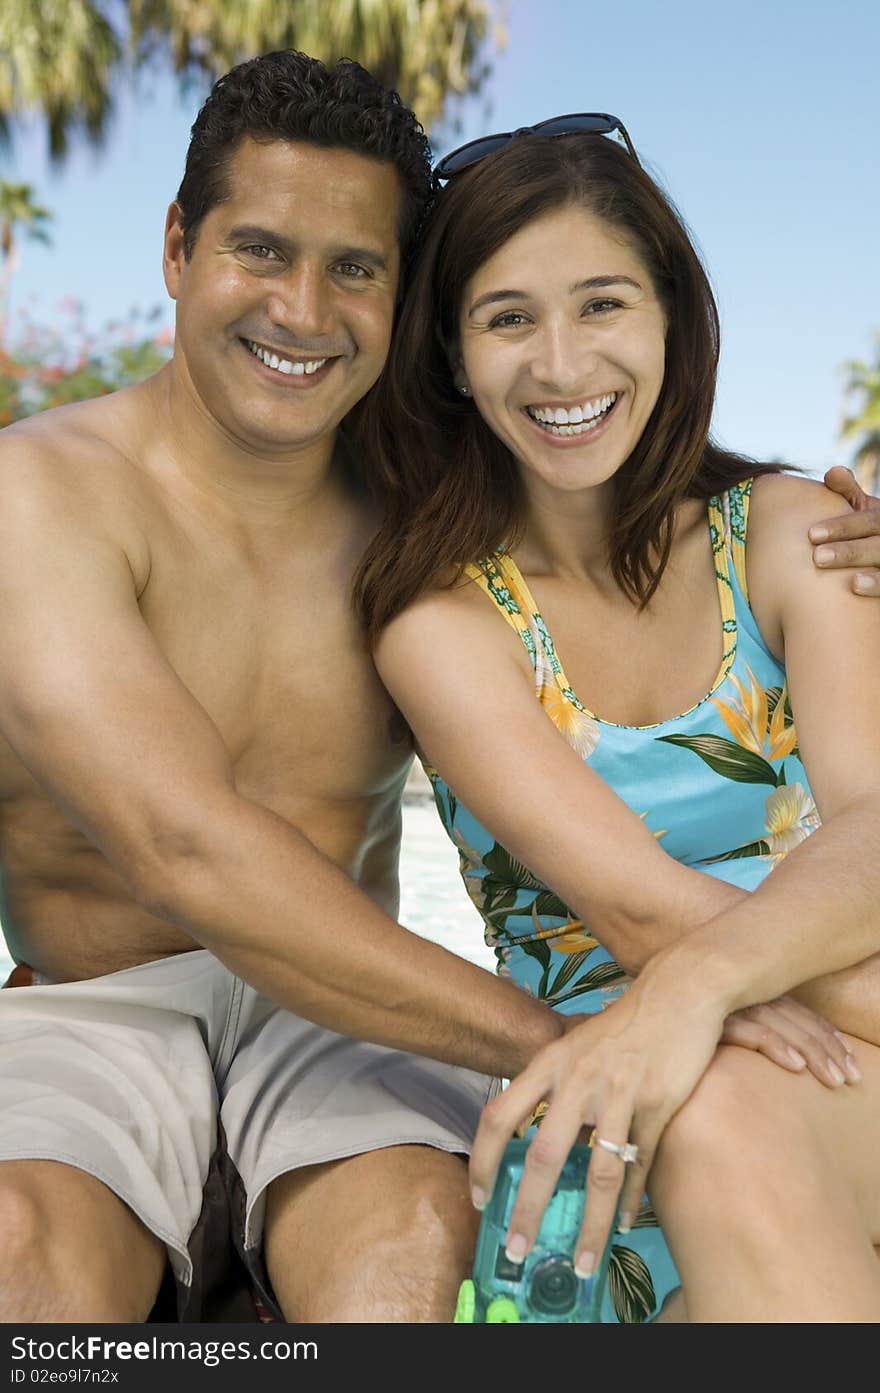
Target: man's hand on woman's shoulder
{"x": 850, "y": 541}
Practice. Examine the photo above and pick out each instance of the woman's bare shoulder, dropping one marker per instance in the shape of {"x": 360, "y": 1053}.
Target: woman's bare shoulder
{"x": 788, "y": 504}
{"x": 780, "y": 555}
{"x": 454, "y": 598}
{"x": 451, "y": 625}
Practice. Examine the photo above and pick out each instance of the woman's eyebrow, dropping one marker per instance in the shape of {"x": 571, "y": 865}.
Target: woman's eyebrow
{"x": 603, "y": 282}
{"x": 493, "y": 296}
{"x": 591, "y": 283}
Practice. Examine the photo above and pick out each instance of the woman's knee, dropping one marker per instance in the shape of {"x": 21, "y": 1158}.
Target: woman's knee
{"x": 739, "y": 1122}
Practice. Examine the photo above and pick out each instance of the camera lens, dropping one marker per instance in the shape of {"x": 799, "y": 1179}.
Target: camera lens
{"x": 553, "y": 1287}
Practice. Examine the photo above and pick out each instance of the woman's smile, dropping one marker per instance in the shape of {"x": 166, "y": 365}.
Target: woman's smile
{"x": 582, "y": 423}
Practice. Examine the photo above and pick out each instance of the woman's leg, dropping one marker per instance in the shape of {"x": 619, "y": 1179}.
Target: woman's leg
{"x": 768, "y": 1190}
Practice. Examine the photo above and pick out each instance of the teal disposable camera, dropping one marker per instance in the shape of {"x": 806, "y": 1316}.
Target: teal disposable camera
{"x": 545, "y": 1287}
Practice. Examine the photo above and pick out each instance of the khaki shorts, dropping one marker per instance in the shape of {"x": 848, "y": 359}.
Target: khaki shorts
{"x": 158, "y": 1077}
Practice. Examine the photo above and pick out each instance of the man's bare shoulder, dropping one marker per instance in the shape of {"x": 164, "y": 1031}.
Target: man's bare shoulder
{"x": 101, "y": 429}
{"x": 83, "y": 458}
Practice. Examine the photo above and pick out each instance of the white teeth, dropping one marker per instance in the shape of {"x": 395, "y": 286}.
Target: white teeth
{"x": 559, "y": 416}
{"x": 575, "y": 420}
{"x": 284, "y": 364}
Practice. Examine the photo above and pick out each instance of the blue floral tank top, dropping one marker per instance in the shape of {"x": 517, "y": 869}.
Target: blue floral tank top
{"x": 721, "y": 786}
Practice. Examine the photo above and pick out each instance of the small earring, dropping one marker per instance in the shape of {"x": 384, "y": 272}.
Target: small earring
{"x": 465, "y": 391}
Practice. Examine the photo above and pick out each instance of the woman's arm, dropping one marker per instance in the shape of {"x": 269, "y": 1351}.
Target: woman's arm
{"x": 507, "y": 762}
{"x": 819, "y": 912}
{"x": 850, "y": 999}
{"x": 631, "y": 1068}
{"x": 464, "y": 683}
{"x": 466, "y": 687}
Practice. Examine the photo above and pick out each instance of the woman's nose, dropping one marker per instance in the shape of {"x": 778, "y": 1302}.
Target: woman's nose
{"x": 561, "y": 358}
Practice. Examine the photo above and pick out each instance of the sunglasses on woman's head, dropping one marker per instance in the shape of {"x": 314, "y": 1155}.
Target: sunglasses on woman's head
{"x": 578, "y": 123}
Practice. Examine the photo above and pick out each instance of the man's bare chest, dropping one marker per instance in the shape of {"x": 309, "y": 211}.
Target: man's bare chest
{"x": 279, "y": 665}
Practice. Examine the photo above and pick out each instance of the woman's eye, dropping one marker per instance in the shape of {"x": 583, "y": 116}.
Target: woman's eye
{"x": 511, "y": 319}
{"x": 601, "y": 306}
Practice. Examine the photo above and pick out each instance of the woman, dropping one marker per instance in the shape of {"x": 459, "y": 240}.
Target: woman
{"x": 559, "y": 524}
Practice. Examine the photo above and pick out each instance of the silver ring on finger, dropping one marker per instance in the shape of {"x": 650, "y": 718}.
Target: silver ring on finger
{"x": 628, "y": 1151}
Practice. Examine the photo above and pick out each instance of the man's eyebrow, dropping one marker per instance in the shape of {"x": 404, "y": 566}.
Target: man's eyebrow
{"x": 253, "y": 233}
{"x": 259, "y": 234}
{"x": 591, "y": 283}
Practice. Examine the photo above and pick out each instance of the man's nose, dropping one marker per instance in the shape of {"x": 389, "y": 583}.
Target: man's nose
{"x": 300, "y": 303}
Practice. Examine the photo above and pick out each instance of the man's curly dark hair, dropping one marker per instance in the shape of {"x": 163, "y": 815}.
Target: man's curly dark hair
{"x": 290, "y": 96}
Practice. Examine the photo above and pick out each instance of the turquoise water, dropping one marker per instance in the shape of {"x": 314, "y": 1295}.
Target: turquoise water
{"x": 433, "y": 901}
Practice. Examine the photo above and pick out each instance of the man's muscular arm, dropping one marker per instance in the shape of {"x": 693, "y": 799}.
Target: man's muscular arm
{"x": 94, "y": 710}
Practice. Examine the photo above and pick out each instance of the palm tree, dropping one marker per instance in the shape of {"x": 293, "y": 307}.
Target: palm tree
{"x": 17, "y": 211}
{"x": 426, "y": 49}
{"x": 863, "y": 384}
{"x": 57, "y": 58}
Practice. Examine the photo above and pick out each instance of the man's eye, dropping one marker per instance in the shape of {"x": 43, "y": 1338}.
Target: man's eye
{"x": 260, "y": 252}
{"x": 351, "y": 269}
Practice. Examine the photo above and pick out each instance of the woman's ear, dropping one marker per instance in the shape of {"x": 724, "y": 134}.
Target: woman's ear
{"x": 458, "y": 372}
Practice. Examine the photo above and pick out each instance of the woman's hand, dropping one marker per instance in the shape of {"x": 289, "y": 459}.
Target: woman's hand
{"x": 795, "y": 1037}
{"x": 625, "y": 1072}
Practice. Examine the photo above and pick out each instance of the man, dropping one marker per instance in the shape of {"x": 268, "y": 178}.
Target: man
{"x": 198, "y": 756}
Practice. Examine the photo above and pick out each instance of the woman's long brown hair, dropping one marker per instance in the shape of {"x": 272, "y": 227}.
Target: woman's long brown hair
{"x": 449, "y": 489}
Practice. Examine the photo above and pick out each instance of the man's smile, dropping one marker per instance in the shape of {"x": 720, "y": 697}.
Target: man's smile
{"x": 282, "y": 367}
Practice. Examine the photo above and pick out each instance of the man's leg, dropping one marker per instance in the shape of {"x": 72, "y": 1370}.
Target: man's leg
{"x": 70, "y": 1250}
{"x": 105, "y": 1076}
{"x": 351, "y": 1186}
{"x": 768, "y": 1190}
{"x": 385, "y": 1236}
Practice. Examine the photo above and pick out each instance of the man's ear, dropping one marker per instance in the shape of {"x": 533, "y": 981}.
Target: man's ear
{"x": 173, "y": 255}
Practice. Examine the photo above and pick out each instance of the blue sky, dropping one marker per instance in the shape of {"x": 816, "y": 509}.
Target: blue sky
{"x": 761, "y": 119}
